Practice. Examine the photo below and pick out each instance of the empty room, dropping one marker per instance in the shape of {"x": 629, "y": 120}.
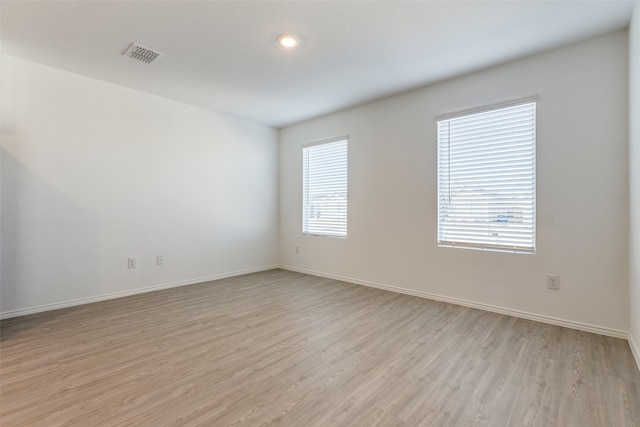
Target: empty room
{"x": 320, "y": 213}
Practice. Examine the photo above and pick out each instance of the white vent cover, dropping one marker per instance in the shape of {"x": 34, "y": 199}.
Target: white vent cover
{"x": 143, "y": 54}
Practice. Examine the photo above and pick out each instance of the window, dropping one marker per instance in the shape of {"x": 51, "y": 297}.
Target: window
{"x": 324, "y": 189}
{"x": 486, "y": 179}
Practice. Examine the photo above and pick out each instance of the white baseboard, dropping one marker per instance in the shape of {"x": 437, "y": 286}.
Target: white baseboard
{"x": 486, "y": 307}
{"x": 634, "y": 350}
{"x": 457, "y": 301}
{"x": 120, "y": 294}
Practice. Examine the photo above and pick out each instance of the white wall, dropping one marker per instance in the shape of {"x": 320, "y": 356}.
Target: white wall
{"x": 634, "y": 179}
{"x": 582, "y": 207}
{"x": 94, "y": 173}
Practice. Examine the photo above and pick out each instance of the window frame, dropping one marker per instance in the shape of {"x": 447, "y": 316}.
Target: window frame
{"x": 530, "y": 219}
{"x": 314, "y": 230}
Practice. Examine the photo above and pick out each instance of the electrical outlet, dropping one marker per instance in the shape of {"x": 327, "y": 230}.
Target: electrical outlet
{"x": 132, "y": 263}
{"x": 553, "y": 281}
{"x": 297, "y": 249}
{"x": 159, "y": 260}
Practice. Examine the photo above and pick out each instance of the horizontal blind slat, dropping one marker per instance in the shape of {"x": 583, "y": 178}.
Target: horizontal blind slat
{"x": 324, "y": 191}
{"x": 486, "y": 179}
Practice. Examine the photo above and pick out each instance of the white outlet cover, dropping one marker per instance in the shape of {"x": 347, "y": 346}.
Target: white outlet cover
{"x": 553, "y": 281}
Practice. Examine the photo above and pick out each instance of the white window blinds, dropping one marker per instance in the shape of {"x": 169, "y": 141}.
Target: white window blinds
{"x": 486, "y": 179}
{"x": 324, "y": 210}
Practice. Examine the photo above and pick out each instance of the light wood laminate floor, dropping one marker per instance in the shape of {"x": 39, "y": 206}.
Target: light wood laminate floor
{"x": 287, "y": 349}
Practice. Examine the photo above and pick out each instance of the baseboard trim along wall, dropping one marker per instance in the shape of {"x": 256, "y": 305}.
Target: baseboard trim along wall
{"x": 80, "y": 301}
{"x": 634, "y": 349}
{"x": 486, "y": 307}
{"x": 457, "y": 301}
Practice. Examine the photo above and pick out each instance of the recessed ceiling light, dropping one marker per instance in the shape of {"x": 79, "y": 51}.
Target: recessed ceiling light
{"x": 288, "y": 40}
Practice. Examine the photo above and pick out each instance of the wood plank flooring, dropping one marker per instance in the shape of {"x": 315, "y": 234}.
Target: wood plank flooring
{"x": 279, "y": 348}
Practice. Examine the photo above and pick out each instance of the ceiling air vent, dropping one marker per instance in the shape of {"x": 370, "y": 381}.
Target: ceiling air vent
{"x": 143, "y": 54}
